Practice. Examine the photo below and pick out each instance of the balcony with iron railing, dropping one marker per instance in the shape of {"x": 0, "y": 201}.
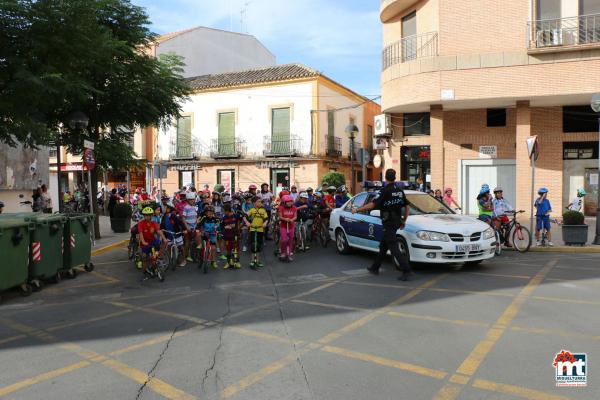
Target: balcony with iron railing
{"x": 410, "y": 48}
{"x": 287, "y": 146}
{"x": 562, "y": 33}
{"x": 334, "y": 146}
{"x": 185, "y": 149}
{"x": 220, "y": 148}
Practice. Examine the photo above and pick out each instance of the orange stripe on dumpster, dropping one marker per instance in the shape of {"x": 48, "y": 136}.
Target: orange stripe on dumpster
{"x": 36, "y": 251}
{"x": 72, "y": 240}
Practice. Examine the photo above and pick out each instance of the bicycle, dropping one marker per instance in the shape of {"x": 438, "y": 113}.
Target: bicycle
{"x": 302, "y": 233}
{"x": 320, "y": 229}
{"x": 157, "y": 268}
{"x": 275, "y": 235}
{"x": 208, "y": 253}
{"x": 133, "y": 251}
{"x": 519, "y": 235}
{"x": 174, "y": 251}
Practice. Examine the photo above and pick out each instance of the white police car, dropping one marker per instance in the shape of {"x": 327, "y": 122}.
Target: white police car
{"x": 433, "y": 233}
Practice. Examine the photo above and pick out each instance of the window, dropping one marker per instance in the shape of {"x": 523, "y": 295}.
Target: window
{"x": 416, "y": 124}
{"x": 184, "y": 136}
{"x": 52, "y": 152}
{"x": 357, "y": 201}
{"x": 409, "y": 37}
{"x": 580, "y": 150}
{"x": 496, "y": 117}
{"x": 280, "y": 123}
{"x": 579, "y": 119}
{"x": 331, "y": 123}
{"x": 589, "y": 7}
{"x": 226, "y": 139}
{"x": 548, "y": 9}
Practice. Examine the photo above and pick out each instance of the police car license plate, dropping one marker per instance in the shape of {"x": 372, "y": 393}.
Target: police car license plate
{"x": 467, "y": 248}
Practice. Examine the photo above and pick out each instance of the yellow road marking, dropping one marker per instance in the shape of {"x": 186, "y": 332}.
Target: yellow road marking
{"x": 383, "y": 310}
{"x": 104, "y": 276}
{"x": 157, "y": 385}
{"x": 439, "y": 319}
{"x": 473, "y": 361}
{"x": 158, "y": 312}
{"x": 570, "y": 301}
{"x": 262, "y": 335}
{"x": 333, "y": 306}
{"x": 42, "y": 377}
{"x": 110, "y": 247}
{"x": 87, "y": 321}
{"x": 499, "y": 275}
{"x": 157, "y": 340}
{"x": 12, "y": 339}
{"x": 554, "y": 332}
{"x": 383, "y": 285}
{"x": 515, "y": 390}
{"x": 262, "y": 373}
{"x": 460, "y": 379}
{"x": 416, "y": 369}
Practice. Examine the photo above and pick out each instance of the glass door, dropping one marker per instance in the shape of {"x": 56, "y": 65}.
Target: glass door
{"x": 280, "y": 178}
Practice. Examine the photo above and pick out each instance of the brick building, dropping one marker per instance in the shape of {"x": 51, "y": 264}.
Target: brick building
{"x": 466, "y": 82}
{"x": 282, "y": 125}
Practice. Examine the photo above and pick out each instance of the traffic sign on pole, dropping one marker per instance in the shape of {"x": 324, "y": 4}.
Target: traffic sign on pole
{"x": 89, "y": 159}
{"x": 88, "y": 145}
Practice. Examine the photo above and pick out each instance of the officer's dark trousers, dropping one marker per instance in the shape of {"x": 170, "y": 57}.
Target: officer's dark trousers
{"x": 389, "y": 241}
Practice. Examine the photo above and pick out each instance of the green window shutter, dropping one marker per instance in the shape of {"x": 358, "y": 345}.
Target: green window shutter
{"x": 330, "y": 123}
{"x": 226, "y": 142}
{"x": 280, "y": 131}
{"x": 184, "y": 136}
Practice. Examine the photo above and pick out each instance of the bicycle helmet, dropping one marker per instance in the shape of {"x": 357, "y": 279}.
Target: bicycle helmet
{"x": 304, "y": 195}
{"x": 484, "y": 191}
{"x": 542, "y": 190}
{"x": 581, "y": 192}
{"x": 343, "y": 189}
{"x": 331, "y": 189}
{"x": 485, "y": 186}
{"x": 448, "y": 189}
{"x": 147, "y": 211}
{"x": 252, "y": 187}
{"x": 190, "y": 196}
{"x": 283, "y": 193}
{"x": 318, "y": 194}
{"x": 498, "y": 189}
{"x": 309, "y": 189}
{"x": 287, "y": 198}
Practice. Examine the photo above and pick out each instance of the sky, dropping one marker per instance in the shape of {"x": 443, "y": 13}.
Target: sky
{"x": 340, "y": 38}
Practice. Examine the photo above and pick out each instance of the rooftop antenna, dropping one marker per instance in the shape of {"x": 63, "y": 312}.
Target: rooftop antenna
{"x": 243, "y": 14}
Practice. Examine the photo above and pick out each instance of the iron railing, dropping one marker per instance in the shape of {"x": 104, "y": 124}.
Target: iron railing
{"x": 410, "y": 48}
{"x": 227, "y": 148}
{"x": 571, "y": 31}
{"x": 357, "y": 147}
{"x": 289, "y": 146}
{"x": 182, "y": 149}
{"x": 334, "y": 146}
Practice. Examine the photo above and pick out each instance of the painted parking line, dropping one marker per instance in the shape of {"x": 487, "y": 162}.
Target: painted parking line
{"x": 471, "y": 364}
{"x": 515, "y": 390}
{"x": 5, "y": 391}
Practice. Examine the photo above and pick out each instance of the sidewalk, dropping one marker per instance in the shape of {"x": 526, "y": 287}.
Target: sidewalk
{"x": 109, "y": 239}
{"x": 559, "y": 244}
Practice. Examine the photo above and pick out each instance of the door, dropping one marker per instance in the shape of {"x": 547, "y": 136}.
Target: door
{"x": 184, "y": 137}
{"x": 409, "y": 37}
{"x": 495, "y": 173}
{"x": 226, "y": 177}
{"x": 590, "y": 201}
{"x": 350, "y": 222}
{"x": 280, "y": 178}
{"x": 226, "y": 141}
{"x": 280, "y": 131}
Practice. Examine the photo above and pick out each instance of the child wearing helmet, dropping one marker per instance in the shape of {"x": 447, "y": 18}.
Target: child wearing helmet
{"x": 484, "y": 202}
{"x": 230, "y": 227}
{"x": 287, "y": 222}
{"x": 341, "y": 197}
{"x": 189, "y": 215}
{"x": 150, "y": 237}
{"x": 448, "y": 199}
{"x": 208, "y": 228}
{"x": 172, "y": 228}
{"x": 257, "y": 220}
{"x": 577, "y": 203}
{"x": 330, "y": 198}
{"x": 542, "y": 216}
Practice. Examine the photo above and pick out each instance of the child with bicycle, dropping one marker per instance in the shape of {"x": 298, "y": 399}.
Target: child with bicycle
{"x": 257, "y": 220}
{"x": 230, "y": 227}
{"x": 306, "y": 214}
{"x": 501, "y": 208}
{"x": 287, "y": 220}
{"x": 152, "y": 241}
{"x": 542, "y": 216}
{"x": 208, "y": 228}
{"x": 173, "y": 229}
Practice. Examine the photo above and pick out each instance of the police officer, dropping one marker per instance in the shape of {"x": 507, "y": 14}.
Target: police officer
{"x": 394, "y": 211}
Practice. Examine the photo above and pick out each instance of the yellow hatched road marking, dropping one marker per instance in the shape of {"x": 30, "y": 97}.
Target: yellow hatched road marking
{"x": 473, "y": 361}
{"x": 158, "y": 312}
{"x": 515, "y": 390}
{"x": 42, "y": 377}
{"x": 416, "y": 369}
{"x": 87, "y": 321}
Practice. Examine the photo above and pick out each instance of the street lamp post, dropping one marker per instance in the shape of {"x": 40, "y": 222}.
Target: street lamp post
{"x": 352, "y": 131}
{"x": 595, "y": 104}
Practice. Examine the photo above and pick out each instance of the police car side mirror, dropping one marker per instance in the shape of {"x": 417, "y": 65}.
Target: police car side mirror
{"x": 375, "y": 213}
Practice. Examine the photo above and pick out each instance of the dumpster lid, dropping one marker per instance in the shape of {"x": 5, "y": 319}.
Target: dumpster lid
{"x": 8, "y": 223}
{"x": 80, "y": 216}
{"x": 34, "y": 217}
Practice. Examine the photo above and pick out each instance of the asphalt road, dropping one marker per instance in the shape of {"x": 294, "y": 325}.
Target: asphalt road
{"x": 319, "y": 328}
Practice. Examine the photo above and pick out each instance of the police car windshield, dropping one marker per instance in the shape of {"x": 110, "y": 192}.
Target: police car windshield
{"x": 425, "y": 204}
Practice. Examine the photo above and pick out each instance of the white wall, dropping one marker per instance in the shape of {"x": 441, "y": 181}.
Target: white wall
{"x": 253, "y": 115}
{"x": 329, "y": 98}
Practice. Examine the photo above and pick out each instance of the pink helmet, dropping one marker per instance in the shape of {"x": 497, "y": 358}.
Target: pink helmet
{"x": 287, "y": 198}
{"x": 448, "y": 189}
{"x": 251, "y": 187}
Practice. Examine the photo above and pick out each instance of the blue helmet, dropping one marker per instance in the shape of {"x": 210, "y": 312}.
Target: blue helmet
{"x": 485, "y": 186}
{"x": 543, "y": 190}
{"x": 484, "y": 191}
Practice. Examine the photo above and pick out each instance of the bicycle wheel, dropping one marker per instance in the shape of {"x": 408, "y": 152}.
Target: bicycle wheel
{"x": 132, "y": 248}
{"x": 323, "y": 235}
{"x": 173, "y": 256}
{"x": 521, "y": 238}
{"x": 498, "y": 249}
{"x": 303, "y": 238}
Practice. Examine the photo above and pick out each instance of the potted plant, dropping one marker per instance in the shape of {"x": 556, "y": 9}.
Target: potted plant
{"x": 574, "y": 229}
{"x": 121, "y": 220}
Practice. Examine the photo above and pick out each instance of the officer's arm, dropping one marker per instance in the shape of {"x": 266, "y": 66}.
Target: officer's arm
{"x": 366, "y": 207}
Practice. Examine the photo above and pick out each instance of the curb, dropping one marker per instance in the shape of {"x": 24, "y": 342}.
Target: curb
{"x": 561, "y": 249}
{"x": 110, "y": 247}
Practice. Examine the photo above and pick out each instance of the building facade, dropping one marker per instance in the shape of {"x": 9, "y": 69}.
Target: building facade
{"x": 466, "y": 82}
{"x": 282, "y": 125}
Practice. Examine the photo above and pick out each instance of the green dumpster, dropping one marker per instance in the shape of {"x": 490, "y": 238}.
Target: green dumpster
{"x": 14, "y": 247}
{"x": 46, "y": 246}
{"x": 78, "y": 242}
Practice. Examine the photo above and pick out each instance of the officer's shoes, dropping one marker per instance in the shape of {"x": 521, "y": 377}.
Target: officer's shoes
{"x": 374, "y": 271}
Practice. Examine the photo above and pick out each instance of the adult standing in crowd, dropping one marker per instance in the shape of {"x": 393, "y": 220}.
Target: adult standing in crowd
{"x": 47, "y": 200}
{"x": 37, "y": 202}
{"x": 394, "y": 212}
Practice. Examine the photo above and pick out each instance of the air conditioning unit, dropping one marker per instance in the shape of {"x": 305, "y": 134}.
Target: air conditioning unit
{"x": 381, "y": 143}
{"x": 383, "y": 125}
{"x": 549, "y": 37}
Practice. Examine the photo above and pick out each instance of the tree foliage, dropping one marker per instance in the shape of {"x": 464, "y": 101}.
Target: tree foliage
{"x": 336, "y": 179}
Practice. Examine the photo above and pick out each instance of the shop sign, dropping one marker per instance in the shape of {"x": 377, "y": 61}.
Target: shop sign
{"x": 67, "y": 168}
{"x": 276, "y": 164}
{"x": 185, "y": 167}
{"x": 377, "y": 161}
{"x": 488, "y": 151}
